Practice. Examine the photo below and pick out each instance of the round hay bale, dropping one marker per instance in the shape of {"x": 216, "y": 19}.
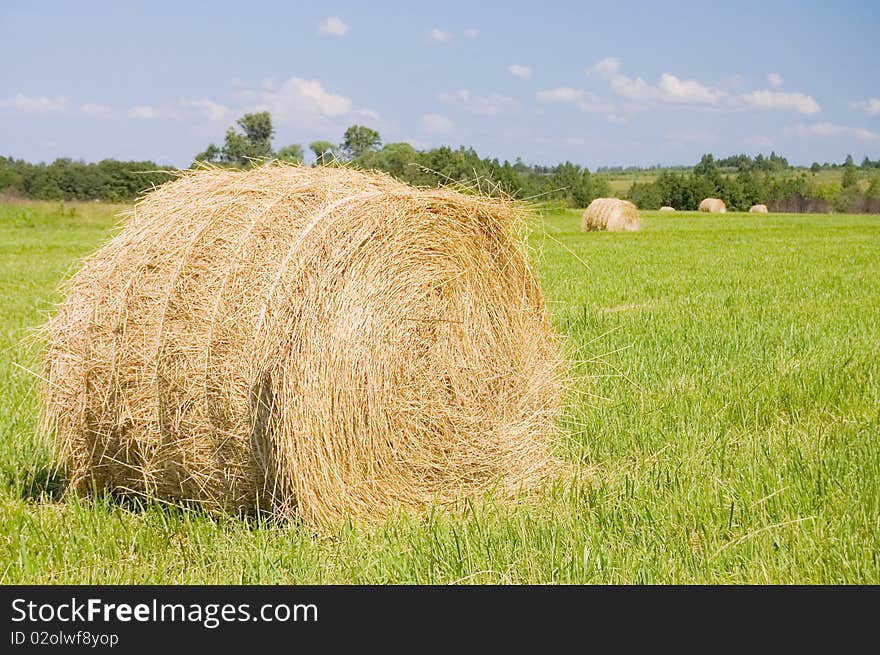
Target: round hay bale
{"x": 758, "y": 209}
{"x": 667, "y": 208}
{"x": 713, "y": 206}
{"x": 611, "y": 214}
{"x": 319, "y": 341}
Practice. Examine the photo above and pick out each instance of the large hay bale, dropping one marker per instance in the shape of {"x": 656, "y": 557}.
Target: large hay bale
{"x": 667, "y": 208}
{"x": 611, "y": 214}
{"x": 758, "y": 209}
{"x": 713, "y": 206}
{"x": 321, "y": 341}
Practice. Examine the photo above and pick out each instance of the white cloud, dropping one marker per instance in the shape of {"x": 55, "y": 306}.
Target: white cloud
{"x": 248, "y": 96}
{"x": 561, "y": 94}
{"x": 672, "y": 89}
{"x": 96, "y": 110}
{"x": 871, "y": 106}
{"x": 298, "y": 99}
{"x": 36, "y": 104}
{"x": 333, "y": 26}
{"x": 146, "y": 112}
{"x": 775, "y": 79}
{"x": 582, "y": 100}
{"x": 830, "y": 130}
{"x": 439, "y": 35}
{"x": 472, "y": 33}
{"x": 184, "y": 108}
{"x": 524, "y": 72}
{"x": 437, "y": 124}
{"x": 211, "y": 110}
{"x": 669, "y": 88}
{"x": 367, "y": 113}
{"x": 798, "y": 102}
{"x": 295, "y": 101}
{"x": 634, "y": 89}
{"x": 605, "y": 68}
{"x": 489, "y": 105}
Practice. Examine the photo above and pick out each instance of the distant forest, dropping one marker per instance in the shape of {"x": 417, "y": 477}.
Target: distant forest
{"x": 740, "y": 180}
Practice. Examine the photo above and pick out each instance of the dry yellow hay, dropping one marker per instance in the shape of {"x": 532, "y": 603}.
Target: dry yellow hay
{"x": 667, "y": 208}
{"x": 319, "y": 341}
{"x": 713, "y": 206}
{"x": 758, "y": 209}
{"x": 611, "y": 214}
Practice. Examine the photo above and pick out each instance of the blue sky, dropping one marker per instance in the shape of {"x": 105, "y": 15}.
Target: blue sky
{"x": 596, "y": 83}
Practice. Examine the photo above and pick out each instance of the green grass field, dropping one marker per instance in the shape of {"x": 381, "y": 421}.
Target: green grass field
{"x": 725, "y": 425}
{"x": 620, "y": 183}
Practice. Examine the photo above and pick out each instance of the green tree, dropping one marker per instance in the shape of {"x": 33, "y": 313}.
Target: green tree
{"x": 359, "y": 140}
{"x": 292, "y": 153}
{"x": 258, "y": 130}
{"x": 325, "y": 152}
{"x": 236, "y": 149}
{"x": 212, "y": 155}
{"x": 255, "y": 143}
{"x": 706, "y": 165}
{"x": 240, "y": 149}
{"x": 733, "y": 193}
{"x": 777, "y": 163}
{"x": 397, "y": 159}
{"x": 850, "y": 177}
{"x": 752, "y": 187}
{"x": 815, "y": 168}
{"x": 11, "y": 175}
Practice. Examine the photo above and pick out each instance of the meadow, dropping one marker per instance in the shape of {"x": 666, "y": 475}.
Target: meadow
{"x": 724, "y": 426}
{"x": 620, "y": 182}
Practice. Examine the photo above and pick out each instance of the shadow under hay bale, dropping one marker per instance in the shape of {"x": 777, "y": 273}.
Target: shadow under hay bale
{"x": 612, "y": 215}
{"x": 41, "y": 483}
{"x": 324, "y": 342}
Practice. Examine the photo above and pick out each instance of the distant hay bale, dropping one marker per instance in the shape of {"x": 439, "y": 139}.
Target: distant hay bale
{"x": 667, "y": 208}
{"x": 713, "y": 206}
{"x": 611, "y": 214}
{"x": 758, "y": 209}
{"x": 321, "y": 342}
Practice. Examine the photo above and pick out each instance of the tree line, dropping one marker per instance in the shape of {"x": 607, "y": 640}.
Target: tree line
{"x": 740, "y": 180}
{"x": 251, "y": 143}
{"x": 362, "y": 147}
{"x": 65, "y": 179}
{"x": 793, "y": 192}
